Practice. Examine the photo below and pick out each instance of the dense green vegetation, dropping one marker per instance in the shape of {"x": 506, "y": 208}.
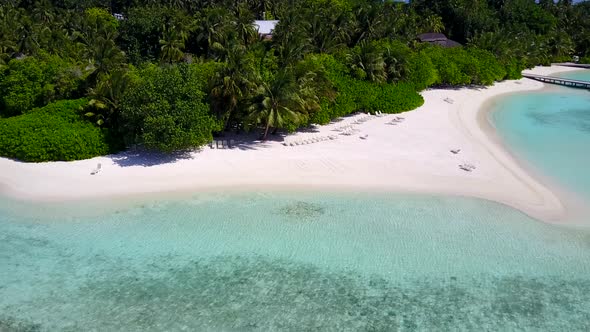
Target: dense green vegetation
{"x": 78, "y": 81}
{"x": 54, "y": 132}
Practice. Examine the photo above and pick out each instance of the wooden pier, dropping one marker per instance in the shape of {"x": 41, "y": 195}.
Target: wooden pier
{"x": 571, "y": 64}
{"x": 559, "y": 81}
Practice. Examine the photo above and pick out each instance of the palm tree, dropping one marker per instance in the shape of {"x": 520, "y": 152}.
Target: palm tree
{"x": 27, "y": 37}
{"x": 329, "y": 30}
{"x": 369, "y": 19}
{"x": 433, "y": 23}
{"x": 366, "y": 62}
{"x": 560, "y": 43}
{"x": 290, "y": 39}
{"x": 278, "y": 104}
{"x": 105, "y": 55}
{"x": 244, "y": 25}
{"x": 7, "y": 43}
{"x": 42, "y": 12}
{"x": 313, "y": 83}
{"x": 172, "y": 43}
{"x": 396, "y": 60}
{"x": 213, "y": 32}
{"x": 107, "y": 97}
{"x": 232, "y": 84}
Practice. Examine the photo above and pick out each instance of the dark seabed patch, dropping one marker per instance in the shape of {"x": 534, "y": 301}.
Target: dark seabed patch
{"x": 302, "y": 210}
{"x": 258, "y": 294}
{"x": 10, "y": 324}
{"x": 578, "y": 119}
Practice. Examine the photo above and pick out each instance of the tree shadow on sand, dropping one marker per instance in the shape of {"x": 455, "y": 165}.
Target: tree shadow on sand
{"x": 226, "y": 140}
{"x": 149, "y": 158}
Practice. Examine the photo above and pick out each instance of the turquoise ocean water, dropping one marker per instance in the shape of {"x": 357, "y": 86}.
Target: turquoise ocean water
{"x": 303, "y": 261}
{"x": 551, "y": 131}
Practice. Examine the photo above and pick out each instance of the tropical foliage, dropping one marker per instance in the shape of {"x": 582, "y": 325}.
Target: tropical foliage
{"x": 164, "y": 109}
{"x": 54, "y": 132}
{"x": 171, "y": 74}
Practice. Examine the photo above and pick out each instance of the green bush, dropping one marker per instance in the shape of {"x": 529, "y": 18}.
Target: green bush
{"x": 421, "y": 71}
{"x": 358, "y": 95}
{"x": 54, "y": 132}
{"x": 513, "y": 67}
{"x": 464, "y": 66}
{"x": 35, "y": 81}
{"x": 487, "y": 68}
{"x": 585, "y": 60}
{"x": 396, "y": 98}
{"x": 343, "y": 103}
{"x": 164, "y": 108}
{"x": 448, "y": 69}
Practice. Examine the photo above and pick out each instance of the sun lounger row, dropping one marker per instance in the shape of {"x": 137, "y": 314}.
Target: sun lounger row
{"x": 363, "y": 119}
{"x": 222, "y": 144}
{"x": 349, "y": 132}
{"x": 305, "y": 141}
{"x": 396, "y": 120}
{"x": 344, "y": 128}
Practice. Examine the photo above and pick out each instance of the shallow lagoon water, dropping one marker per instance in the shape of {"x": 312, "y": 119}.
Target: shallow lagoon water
{"x": 259, "y": 261}
{"x": 551, "y": 131}
{"x": 309, "y": 261}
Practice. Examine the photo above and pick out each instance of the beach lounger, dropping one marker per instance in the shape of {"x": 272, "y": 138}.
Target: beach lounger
{"x": 467, "y": 167}
{"x": 97, "y": 169}
{"x": 224, "y": 144}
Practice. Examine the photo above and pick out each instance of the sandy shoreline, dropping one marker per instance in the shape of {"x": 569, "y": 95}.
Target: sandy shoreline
{"x": 412, "y": 156}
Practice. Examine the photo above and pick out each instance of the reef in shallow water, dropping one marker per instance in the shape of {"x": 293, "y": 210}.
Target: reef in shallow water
{"x": 302, "y": 210}
{"x": 238, "y": 293}
{"x": 11, "y": 324}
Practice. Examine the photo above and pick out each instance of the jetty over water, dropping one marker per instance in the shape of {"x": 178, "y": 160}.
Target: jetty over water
{"x": 559, "y": 81}
{"x": 571, "y": 64}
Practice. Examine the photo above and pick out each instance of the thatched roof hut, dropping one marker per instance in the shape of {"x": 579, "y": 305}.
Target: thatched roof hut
{"x": 438, "y": 39}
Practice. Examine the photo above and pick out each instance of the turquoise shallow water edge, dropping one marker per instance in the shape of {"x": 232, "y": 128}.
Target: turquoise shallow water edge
{"x": 551, "y": 131}
{"x": 310, "y": 261}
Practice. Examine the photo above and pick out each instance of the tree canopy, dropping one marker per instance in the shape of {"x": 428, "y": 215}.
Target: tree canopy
{"x": 171, "y": 74}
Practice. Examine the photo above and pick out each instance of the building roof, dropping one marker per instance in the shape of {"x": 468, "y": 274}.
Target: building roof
{"x": 265, "y": 27}
{"x": 431, "y": 37}
{"x": 447, "y": 43}
{"x": 438, "y": 39}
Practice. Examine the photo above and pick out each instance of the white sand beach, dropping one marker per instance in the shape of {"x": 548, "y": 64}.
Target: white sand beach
{"x": 413, "y": 155}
